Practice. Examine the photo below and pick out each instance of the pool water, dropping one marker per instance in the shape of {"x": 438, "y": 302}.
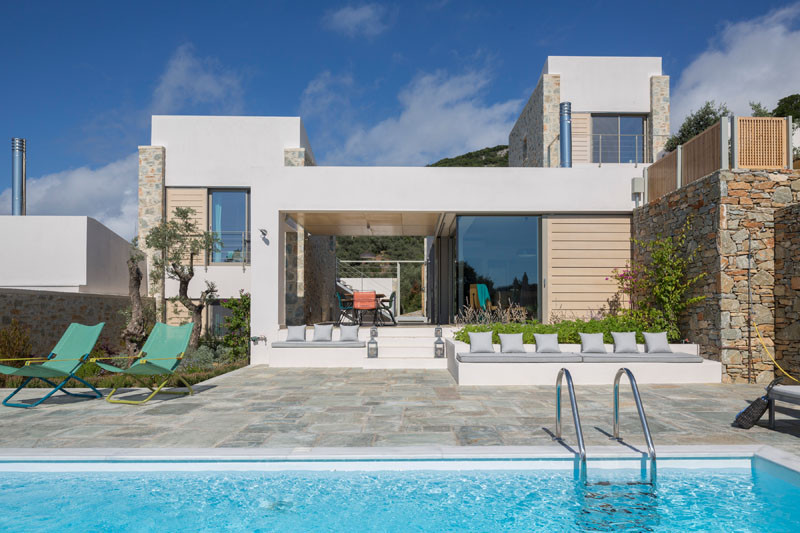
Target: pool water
{"x": 486, "y": 500}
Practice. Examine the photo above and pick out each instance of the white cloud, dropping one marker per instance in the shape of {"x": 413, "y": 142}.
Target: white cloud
{"x": 752, "y": 60}
{"x": 190, "y": 81}
{"x": 440, "y": 116}
{"x": 107, "y": 193}
{"x": 367, "y": 20}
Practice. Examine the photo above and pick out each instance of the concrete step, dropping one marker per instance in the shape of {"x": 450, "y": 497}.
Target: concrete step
{"x": 405, "y": 362}
{"x": 408, "y": 352}
{"x": 410, "y": 342}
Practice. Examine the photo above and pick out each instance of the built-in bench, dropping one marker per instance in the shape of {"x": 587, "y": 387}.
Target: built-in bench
{"x": 318, "y": 354}
{"x": 683, "y": 365}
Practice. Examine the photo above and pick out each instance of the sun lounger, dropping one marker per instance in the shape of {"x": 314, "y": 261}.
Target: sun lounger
{"x": 160, "y": 357}
{"x": 782, "y": 393}
{"x": 71, "y": 353}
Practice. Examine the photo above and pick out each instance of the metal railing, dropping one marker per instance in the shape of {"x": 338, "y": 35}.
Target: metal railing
{"x": 576, "y": 418}
{"x": 356, "y": 272}
{"x": 651, "y": 450}
{"x": 608, "y": 148}
{"x": 232, "y": 247}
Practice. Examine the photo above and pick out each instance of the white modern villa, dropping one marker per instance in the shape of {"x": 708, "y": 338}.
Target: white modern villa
{"x": 546, "y": 236}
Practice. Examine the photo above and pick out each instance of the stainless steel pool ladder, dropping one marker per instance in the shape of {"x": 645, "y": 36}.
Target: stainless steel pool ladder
{"x": 651, "y": 450}
{"x": 576, "y": 418}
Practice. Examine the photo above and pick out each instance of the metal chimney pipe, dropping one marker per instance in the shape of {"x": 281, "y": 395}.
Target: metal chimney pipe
{"x": 17, "y": 176}
{"x": 565, "y": 120}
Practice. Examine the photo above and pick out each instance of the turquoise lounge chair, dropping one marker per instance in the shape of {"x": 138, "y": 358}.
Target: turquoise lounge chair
{"x": 160, "y": 356}
{"x": 71, "y": 352}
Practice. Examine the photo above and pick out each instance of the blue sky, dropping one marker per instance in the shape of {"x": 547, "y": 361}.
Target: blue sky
{"x": 376, "y": 83}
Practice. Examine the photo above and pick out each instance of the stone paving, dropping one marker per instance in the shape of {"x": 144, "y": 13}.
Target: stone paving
{"x": 277, "y": 408}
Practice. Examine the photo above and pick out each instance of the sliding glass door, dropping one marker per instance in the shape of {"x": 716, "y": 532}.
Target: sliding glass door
{"x": 498, "y": 260}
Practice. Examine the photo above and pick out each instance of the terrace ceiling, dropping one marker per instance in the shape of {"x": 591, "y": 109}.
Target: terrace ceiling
{"x": 367, "y": 223}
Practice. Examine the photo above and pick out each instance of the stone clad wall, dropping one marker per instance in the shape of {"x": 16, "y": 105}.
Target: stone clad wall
{"x": 658, "y": 120}
{"x": 48, "y": 314}
{"x": 538, "y": 122}
{"x": 152, "y": 205}
{"x": 787, "y": 288}
{"x": 320, "y": 276}
{"x": 731, "y": 210}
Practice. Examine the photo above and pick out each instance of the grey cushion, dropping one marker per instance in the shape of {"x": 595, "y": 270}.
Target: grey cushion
{"x": 348, "y": 333}
{"x": 480, "y": 342}
{"x": 786, "y": 393}
{"x": 656, "y": 342}
{"x": 592, "y": 343}
{"x": 319, "y": 344}
{"x": 323, "y": 332}
{"x": 676, "y": 357}
{"x": 547, "y": 343}
{"x": 518, "y": 358}
{"x": 625, "y": 342}
{"x": 511, "y": 343}
{"x": 296, "y": 333}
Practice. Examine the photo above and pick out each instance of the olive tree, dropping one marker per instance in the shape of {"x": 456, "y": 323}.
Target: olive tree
{"x": 177, "y": 243}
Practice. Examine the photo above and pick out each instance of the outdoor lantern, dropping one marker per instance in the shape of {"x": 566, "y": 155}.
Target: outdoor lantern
{"x": 373, "y": 332}
{"x": 372, "y": 348}
{"x": 438, "y": 348}
{"x": 259, "y": 338}
{"x": 437, "y": 332}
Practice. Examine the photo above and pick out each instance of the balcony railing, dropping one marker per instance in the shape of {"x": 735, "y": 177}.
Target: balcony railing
{"x": 232, "y": 247}
{"x": 756, "y": 143}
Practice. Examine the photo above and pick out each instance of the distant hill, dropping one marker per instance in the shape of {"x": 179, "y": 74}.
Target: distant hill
{"x": 488, "y": 157}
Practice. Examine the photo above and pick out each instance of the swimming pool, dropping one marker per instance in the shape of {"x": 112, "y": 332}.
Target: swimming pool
{"x": 726, "y": 493}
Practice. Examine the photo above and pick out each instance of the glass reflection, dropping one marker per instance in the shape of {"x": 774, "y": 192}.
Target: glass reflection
{"x": 498, "y": 262}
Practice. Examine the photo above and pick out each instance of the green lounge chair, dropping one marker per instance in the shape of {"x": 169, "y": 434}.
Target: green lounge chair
{"x": 71, "y": 352}
{"x": 160, "y": 356}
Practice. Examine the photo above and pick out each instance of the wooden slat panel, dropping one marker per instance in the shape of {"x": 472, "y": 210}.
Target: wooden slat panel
{"x": 598, "y": 254}
{"x": 662, "y": 177}
{"x": 701, "y": 155}
{"x": 583, "y": 252}
{"x": 197, "y": 199}
{"x": 558, "y": 244}
{"x": 762, "y": 142}
{"x": 581, "y": 138}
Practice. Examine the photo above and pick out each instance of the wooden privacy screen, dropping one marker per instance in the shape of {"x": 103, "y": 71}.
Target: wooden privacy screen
{"x": 700, "y": 156}
{"x": 762, "y": 143}
{"x": 662, "y": 177}
{"x": 195, "y": 198}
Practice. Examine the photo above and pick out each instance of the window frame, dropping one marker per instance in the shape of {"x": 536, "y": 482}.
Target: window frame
{"x": 641, "y": 153}
{"x": 248, "y": 241}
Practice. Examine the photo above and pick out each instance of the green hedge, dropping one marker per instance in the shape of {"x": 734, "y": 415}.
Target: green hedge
{"x": 102, "y": 380}
{"x": 568, "y": 330}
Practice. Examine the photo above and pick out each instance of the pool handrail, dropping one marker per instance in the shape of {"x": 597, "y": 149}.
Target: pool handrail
{"x": 651, "y": 450}
{"x": 576, "y": 418}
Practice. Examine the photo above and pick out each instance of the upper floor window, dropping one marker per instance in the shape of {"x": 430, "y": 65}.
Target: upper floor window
{"x": 618, "y": 138}
{"x": 230, "y": 223}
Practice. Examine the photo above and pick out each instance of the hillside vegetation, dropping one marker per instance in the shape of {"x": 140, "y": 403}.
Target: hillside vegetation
{"x": 488, "y": 157}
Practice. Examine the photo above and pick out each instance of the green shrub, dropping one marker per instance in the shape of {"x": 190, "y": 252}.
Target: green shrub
{"x": 202, "y": 358}
{"x": 568, "y": 330}
{"x": 15, "y": 343}
{"x": 237, "y": 339}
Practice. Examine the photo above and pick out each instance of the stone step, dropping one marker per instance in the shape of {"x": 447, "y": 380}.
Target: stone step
{"x": 411, "y": 352}
{"x": 405, "y": 362}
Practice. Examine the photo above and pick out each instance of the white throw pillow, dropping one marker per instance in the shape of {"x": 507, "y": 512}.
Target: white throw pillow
{"x": 547, "y": 343}
{"x": 592, "y": 343}
{"x": 296, "y": 333}
{"x": 511, "y": 343}
{"x": 480, "y": 342}
{"x": 323, "y": 332}
{"x": 656, "y": 342}
{"x": 625, "y": 342}
{"x": 348, "y": 333}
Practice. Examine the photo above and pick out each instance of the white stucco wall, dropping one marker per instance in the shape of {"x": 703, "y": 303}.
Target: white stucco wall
{"x": 215, "y": 151}
{"x": 586, "y": 189}
{"x": 228, "y": 279}
{"x": 62, "y": 253}
{"x": 605, "y": 84}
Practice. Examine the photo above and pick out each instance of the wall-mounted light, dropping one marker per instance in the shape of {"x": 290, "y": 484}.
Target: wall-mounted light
{"x": 255, "y": 340}
{"x": 263, "y": 232}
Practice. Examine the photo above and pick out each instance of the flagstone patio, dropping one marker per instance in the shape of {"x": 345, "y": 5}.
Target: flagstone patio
{"x": 277, "y": 408}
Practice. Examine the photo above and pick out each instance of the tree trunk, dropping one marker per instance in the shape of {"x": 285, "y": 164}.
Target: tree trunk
{"x": 135, "y": 332}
